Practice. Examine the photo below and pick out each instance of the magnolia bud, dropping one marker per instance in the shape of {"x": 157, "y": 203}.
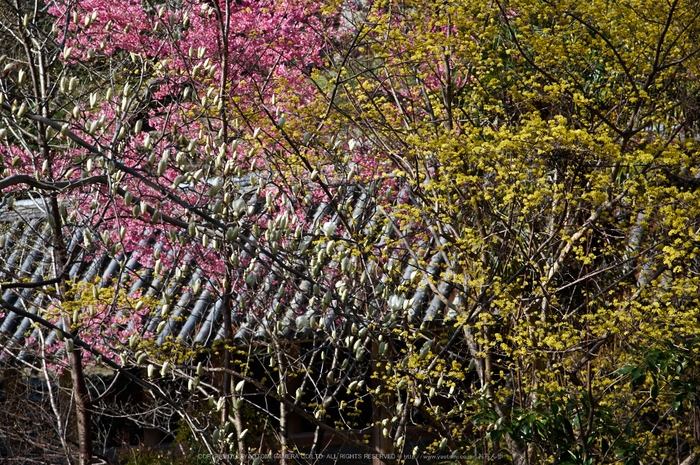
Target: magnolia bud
{"x": 22, "y": 110}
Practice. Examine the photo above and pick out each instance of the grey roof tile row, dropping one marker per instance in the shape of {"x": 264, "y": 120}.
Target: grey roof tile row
{"x": 196, "y": 318}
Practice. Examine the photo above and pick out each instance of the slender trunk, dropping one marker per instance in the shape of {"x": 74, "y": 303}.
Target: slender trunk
{"x": 54, "y": 404}
{"x": 229, "y": 397}
{"x": 82, "y": 402}
{"x": 239, "y": 425}
{"x": 224, "y": 18}
{"x": 283, "y": 434}
{"x": 284, "y": 381}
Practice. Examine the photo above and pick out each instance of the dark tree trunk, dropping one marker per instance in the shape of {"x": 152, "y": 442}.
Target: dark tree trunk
{"x": 82, "y": 407}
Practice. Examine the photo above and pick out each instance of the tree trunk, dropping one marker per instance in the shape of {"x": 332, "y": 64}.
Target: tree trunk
{"x": 82, "y": 407}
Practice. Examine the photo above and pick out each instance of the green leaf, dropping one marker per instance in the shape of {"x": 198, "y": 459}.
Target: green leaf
{"x": 654, "y": 389}
{"x": 626, "y": 369}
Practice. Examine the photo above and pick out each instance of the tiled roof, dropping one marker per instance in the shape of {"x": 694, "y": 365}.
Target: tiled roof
{"x": 195, "y": 317}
